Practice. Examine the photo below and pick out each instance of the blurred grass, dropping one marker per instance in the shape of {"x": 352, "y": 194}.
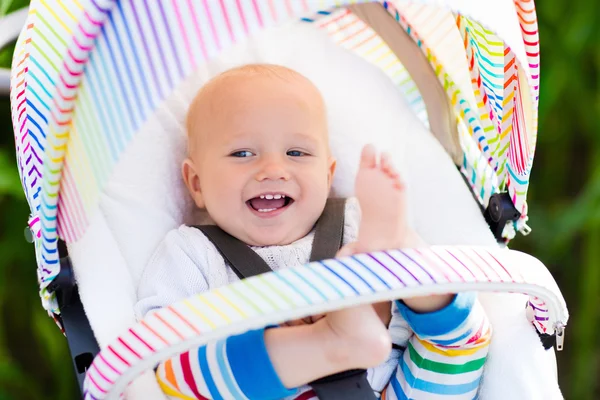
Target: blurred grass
{"x": 564, "y": 203}
{"x": 564, "y": 196}
{"x": 34, "y": 361}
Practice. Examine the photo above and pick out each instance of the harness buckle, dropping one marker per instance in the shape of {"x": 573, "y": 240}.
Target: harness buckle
{"x": 499, "y": 212}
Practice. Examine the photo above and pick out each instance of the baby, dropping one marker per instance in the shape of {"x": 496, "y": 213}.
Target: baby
{"x": 260, "y": 165}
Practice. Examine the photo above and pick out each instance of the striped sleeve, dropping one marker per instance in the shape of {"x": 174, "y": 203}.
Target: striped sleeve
{"x": 444, "y": 359}
{"x": 234, "y": 368}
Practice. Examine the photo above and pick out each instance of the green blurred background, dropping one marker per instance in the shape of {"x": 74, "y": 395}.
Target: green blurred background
{"x": 564, "y": 201}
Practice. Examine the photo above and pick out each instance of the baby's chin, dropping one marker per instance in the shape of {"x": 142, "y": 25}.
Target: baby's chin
{"x": 273, "y": 236}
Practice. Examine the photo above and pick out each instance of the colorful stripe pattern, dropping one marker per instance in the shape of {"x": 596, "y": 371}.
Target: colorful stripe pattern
{"x": 503, "y": 138}
{"x": 351, "y": 33}
{"x": 210, "y": 361}
{"x": 36, "y": 66}
{"x": 444, "y": 363}
{"x": 450, "y": 366}
{"x": 221, "y": 370}
{"x": 484, "y": 88}
{"x": 538, "y": 313}
{"x": 87, "y": 73}
{"x": 249, "y": 304}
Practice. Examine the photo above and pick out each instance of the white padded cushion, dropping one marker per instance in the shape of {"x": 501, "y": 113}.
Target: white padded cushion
{"x": 146, "y": 197}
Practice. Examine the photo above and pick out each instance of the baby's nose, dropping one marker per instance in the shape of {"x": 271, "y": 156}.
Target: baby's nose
{"x": 273, "y": 169}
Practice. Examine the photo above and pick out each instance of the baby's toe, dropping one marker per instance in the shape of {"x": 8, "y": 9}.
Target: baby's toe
{"x": 368, "y": 157}
{"x": 387, "y": 166}
{"x": 398, "y": 183}
{"x": 386, "y": 162}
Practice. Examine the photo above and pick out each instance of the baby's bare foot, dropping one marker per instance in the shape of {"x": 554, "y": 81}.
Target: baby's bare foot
{"x": 381, "y": 194}
{"x": 357, "y": 338}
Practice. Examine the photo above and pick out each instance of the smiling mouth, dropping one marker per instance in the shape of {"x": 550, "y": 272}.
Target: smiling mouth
{"x": 269, "y": 203}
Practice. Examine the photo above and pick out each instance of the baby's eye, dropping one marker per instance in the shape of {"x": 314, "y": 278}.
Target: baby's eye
{"x": 296, "y": 153}
{"x": 242, "y": 153}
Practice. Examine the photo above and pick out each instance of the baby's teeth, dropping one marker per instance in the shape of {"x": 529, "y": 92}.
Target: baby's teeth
{"x": 277, "y": 196}
{"x": 269, "y": 196}
{"x": 264, "y": 210}
{"x": 262, "y": 196}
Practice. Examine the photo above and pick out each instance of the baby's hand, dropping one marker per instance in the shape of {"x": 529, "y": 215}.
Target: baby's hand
{"x": 383, "y": 310}
{"x": 356, "y": 336}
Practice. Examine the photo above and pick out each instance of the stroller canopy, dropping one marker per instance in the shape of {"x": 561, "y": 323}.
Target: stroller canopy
{"x": 87, "y": 74}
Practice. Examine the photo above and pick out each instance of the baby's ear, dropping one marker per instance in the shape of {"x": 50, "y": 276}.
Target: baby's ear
{"x": 192, "y": 181}
{"x": 332, "y": 163}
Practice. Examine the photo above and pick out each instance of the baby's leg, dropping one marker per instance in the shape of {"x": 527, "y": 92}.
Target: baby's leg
{"x": 384, "y": 225}
{"x": 380, "y": 193}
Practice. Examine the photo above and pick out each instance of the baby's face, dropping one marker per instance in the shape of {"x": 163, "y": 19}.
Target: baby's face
{"x": 259, "y": 158}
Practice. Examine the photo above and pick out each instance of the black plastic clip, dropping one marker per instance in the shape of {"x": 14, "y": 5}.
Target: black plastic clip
{"x": 64, "y": 283}
{"x": 499, "y": 211}
{"x": 548, "y": 341}
{"x": 348, "y": 385}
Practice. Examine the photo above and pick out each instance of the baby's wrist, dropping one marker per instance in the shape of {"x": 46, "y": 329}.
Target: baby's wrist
{"x": 360, "y": 348}
{"x": 427, "y": 304}
{"x": 447, "y": 318}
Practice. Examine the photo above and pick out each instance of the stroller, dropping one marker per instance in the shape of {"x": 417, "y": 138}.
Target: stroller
{"x": 99, "y": 90}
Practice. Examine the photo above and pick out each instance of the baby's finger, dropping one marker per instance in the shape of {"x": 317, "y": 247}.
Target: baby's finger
{"x": 296, "y": 322}
{"x": 347, "y": 250}
{"x": 315, "y": 318}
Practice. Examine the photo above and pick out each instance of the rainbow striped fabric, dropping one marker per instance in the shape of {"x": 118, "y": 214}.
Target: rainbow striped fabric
{"x": 87, "y": 74}
{"x": 443, "y": 360}
{"x": 313, "y": 289}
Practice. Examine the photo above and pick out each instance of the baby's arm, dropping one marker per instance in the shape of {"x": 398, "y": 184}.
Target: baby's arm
{"x": 234, "y": 368}
{"x": 446, "y": 355}
{"x": 281, "y": 359}
{"x": 381, "y": 193}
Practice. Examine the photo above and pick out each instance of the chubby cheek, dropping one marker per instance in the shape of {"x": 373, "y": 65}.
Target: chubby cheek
{"x": 218, "y": 193}
{"x": 324, "y": 181}
{"x": 316, "y": 189}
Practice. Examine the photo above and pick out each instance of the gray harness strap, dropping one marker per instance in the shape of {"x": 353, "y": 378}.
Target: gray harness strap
{"x": 329, "y": 233}
{"x": 245, "y": 263}
{"x": 242, "y": 260}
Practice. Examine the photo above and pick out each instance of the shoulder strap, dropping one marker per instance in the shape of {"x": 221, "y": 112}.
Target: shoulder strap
{"x": 329, "y": 236}
{"x": 244, "y": 262}
{"x": 329, "y": 232}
